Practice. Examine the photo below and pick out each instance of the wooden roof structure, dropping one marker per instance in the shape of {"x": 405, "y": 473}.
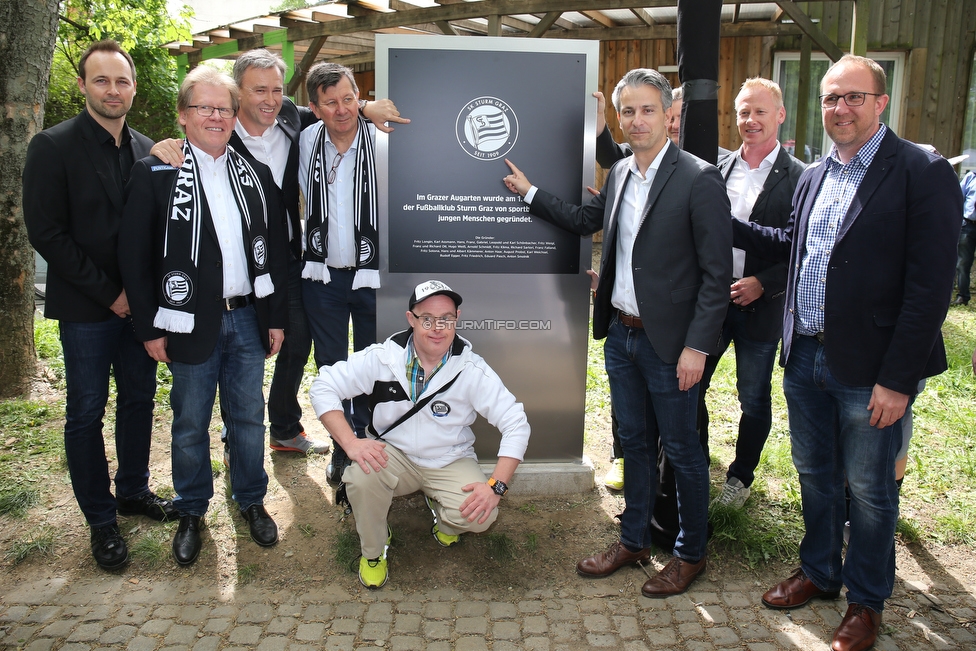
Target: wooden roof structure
{"x": 344, "y": 31}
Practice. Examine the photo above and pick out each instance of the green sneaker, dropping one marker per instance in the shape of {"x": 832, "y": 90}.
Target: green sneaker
{"x": 373, "y": 573}
{"x": 443, "y": 539}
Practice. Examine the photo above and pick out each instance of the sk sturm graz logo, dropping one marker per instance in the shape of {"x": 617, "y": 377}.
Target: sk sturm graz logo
{"x": 260, "y": 252}
{"x": 315, "y": 241}
{"x": 177, "y": 288}
{"x": 366, "y": 251}
{"x": 439, "y": 409}
{"x": 487, "y": 128}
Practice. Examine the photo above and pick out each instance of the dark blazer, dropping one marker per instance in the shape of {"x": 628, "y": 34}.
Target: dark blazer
{"x": 889, "y": 279}
{"x": 291, "y": 119}
{"x": 73, "y": 208}
{"x": 140, "y": 258}
{"x": 772, "y": 208}
{"x": 682, "y": 260}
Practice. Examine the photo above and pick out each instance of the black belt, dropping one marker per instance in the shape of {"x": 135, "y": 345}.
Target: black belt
{"x": 235, "y": 302}
{"x": 818, "y": 336}
{"x": 630, "y": 320}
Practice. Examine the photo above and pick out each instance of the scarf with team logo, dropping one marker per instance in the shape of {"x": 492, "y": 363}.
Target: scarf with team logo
{"x": 185, "y": 216}
{"x": 364, "y": 213}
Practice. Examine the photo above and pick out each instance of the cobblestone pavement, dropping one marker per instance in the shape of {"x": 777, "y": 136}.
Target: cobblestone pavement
{"x": 112, "y": 612}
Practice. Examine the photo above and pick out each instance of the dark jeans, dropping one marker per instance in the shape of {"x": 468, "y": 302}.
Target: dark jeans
{"x": 328, "y": 308}
{"x": 753, "y": 380}
{"x": 91, "y": 352}
{"x": 964, "y": 263}
{"x": 650, "y": 408}
{"x": 236, "y": 365}
{"x": 833, "y": 441}
{"x": 284, "y": 412}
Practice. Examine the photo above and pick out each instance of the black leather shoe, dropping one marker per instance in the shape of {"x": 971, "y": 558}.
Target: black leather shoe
{"x": 186, "y": 542}
{"x": 150, "y": 505}
{"x": 959, "y": 300}
{"x": 108, "y": 547}
{"x": 264, "y": 531}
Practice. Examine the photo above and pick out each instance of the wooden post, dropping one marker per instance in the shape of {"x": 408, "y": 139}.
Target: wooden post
{"x": 802, "y": 102}
{"x": 859, "y": 27}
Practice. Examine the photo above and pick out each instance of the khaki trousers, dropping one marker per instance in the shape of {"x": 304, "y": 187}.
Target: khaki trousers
{"x": 371, "y": 495}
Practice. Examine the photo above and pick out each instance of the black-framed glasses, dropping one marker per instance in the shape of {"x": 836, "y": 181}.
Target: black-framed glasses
{"x": 429, "y": 322}
{"x": 851, "y": 99}
{"x": 206, "y": 111}
{"x": 333, "y": 172}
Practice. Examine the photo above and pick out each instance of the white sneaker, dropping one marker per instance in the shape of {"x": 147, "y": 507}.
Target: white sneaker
{"x": 734, "y": 494}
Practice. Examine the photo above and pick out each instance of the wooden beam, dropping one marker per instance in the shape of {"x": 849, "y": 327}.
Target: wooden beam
{"x": 301, "y": 69}
{"x": 643, "y": 15}
{"x": 652, "y": 32}
{"x": 809, "y": 28}
{"x": 446, "y": 27}
{"x": 802, "y": 102}
{"x": 544, "y": 24}
{"x": 859, "y": 28}
{"x": 599, "y": 18}
{"x": 494, "y": 25}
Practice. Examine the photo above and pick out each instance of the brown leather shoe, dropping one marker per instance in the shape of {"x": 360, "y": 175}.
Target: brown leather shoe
{"x": 608, "y": 562}
{"x": 796, "y": 591}
{"x": 675, "y": 578}
{"x": 858, "y": 631}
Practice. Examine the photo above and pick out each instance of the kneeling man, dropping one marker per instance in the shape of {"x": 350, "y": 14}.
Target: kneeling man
{"x": 203, "y": 252}
{"x": 425, "y": 388}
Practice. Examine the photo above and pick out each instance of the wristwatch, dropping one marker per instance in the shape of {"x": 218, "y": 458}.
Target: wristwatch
{"x": 362, "y": 104}
{"x": 499, "y": 487}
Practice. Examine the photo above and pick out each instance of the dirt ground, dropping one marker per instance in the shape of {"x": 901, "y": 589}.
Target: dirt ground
{"x": 535, "y": 543}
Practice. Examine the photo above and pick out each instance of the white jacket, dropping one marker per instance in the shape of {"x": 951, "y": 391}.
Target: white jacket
{"x": 440, "y": 433}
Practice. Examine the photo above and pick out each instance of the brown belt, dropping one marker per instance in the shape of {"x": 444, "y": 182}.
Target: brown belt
{"x": 630, "y": 320}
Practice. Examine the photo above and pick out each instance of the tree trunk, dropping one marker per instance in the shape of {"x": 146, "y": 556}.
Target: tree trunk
{"x": 27, "y": 32}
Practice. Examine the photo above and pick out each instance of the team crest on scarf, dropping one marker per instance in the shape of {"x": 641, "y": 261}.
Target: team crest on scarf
{"x": 177, "y": 287}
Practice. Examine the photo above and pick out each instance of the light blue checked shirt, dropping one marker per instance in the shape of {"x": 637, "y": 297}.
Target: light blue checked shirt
{"x": 415, "y": 370}
{"x": 839, "y": 187}
{"x": 969, "y": 196}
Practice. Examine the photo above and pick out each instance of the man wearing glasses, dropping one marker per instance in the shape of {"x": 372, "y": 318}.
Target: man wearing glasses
{"x": 337, "y": 173}
{"x": 203, "y": 254}
{"x": 425, "y": 388}
{"x": 871, "y": 257}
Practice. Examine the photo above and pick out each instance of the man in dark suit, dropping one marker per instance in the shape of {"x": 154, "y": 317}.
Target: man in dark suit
{"x": 73, "y": 182}
{"x": 267, "y": 130}
{"x": 760, "y": 179}
{"x": 871, "y": 258}
{"x": 663, "y": 294}
{"x": 203, "y": 253}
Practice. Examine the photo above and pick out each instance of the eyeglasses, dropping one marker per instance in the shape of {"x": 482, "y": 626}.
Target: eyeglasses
{"x": 331, "y": 177}
{"x": 429, "y": 322}
{"x": 207, "y": 111}
{"x": 851, "y": 99}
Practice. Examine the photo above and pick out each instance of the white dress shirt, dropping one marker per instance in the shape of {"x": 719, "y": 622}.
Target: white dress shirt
{"x": 226, "y": 217}
{"x": 744, "y": 186}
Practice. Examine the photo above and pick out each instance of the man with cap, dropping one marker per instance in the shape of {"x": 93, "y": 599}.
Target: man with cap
{"x": 425, "y": 387}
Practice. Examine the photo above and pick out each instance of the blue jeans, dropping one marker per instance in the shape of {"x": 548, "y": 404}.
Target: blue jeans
{"x": 753, "y": 380}
{"x": 284, "y": 412}
{"x": 966, "y": 251}
{"x": 91, "y": 352}
{"x": 832, "y": 440}
{"x": 649, "y": 406}
{"x": 237, "y": 366}
{"x": 328, "y": 308}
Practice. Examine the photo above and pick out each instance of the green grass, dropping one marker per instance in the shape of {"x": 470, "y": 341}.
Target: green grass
{"x": 247, "y": 573}
{"x": 498, "y": 546}
{"x": 37, "y": 542}
{"x": 345, "y": 548}
{"x": 154, "y": 547}
{"x": 16, "y": 502}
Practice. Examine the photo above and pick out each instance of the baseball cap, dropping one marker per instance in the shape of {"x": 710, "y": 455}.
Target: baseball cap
{"x": 425, "y": 290}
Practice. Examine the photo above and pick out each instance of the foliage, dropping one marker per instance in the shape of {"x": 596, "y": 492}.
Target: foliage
{"x": 141, "y": 27}
{"x": 37, "y": 541}
{"x": 153, "y": 547}
{"x": 288, "y": 5}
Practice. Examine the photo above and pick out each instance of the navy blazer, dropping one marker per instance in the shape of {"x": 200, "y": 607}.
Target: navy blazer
{"x": 141, "y": 254}
{"x": 291, "y": 119}
{"x": 890, "y": 274}
{"x": 73, "y": 210}
{"x": 772, "y": 208}
{"x": 682, "y": 260}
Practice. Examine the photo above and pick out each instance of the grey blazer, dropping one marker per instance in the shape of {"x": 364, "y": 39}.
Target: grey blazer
{"x": 682, "y": 261}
